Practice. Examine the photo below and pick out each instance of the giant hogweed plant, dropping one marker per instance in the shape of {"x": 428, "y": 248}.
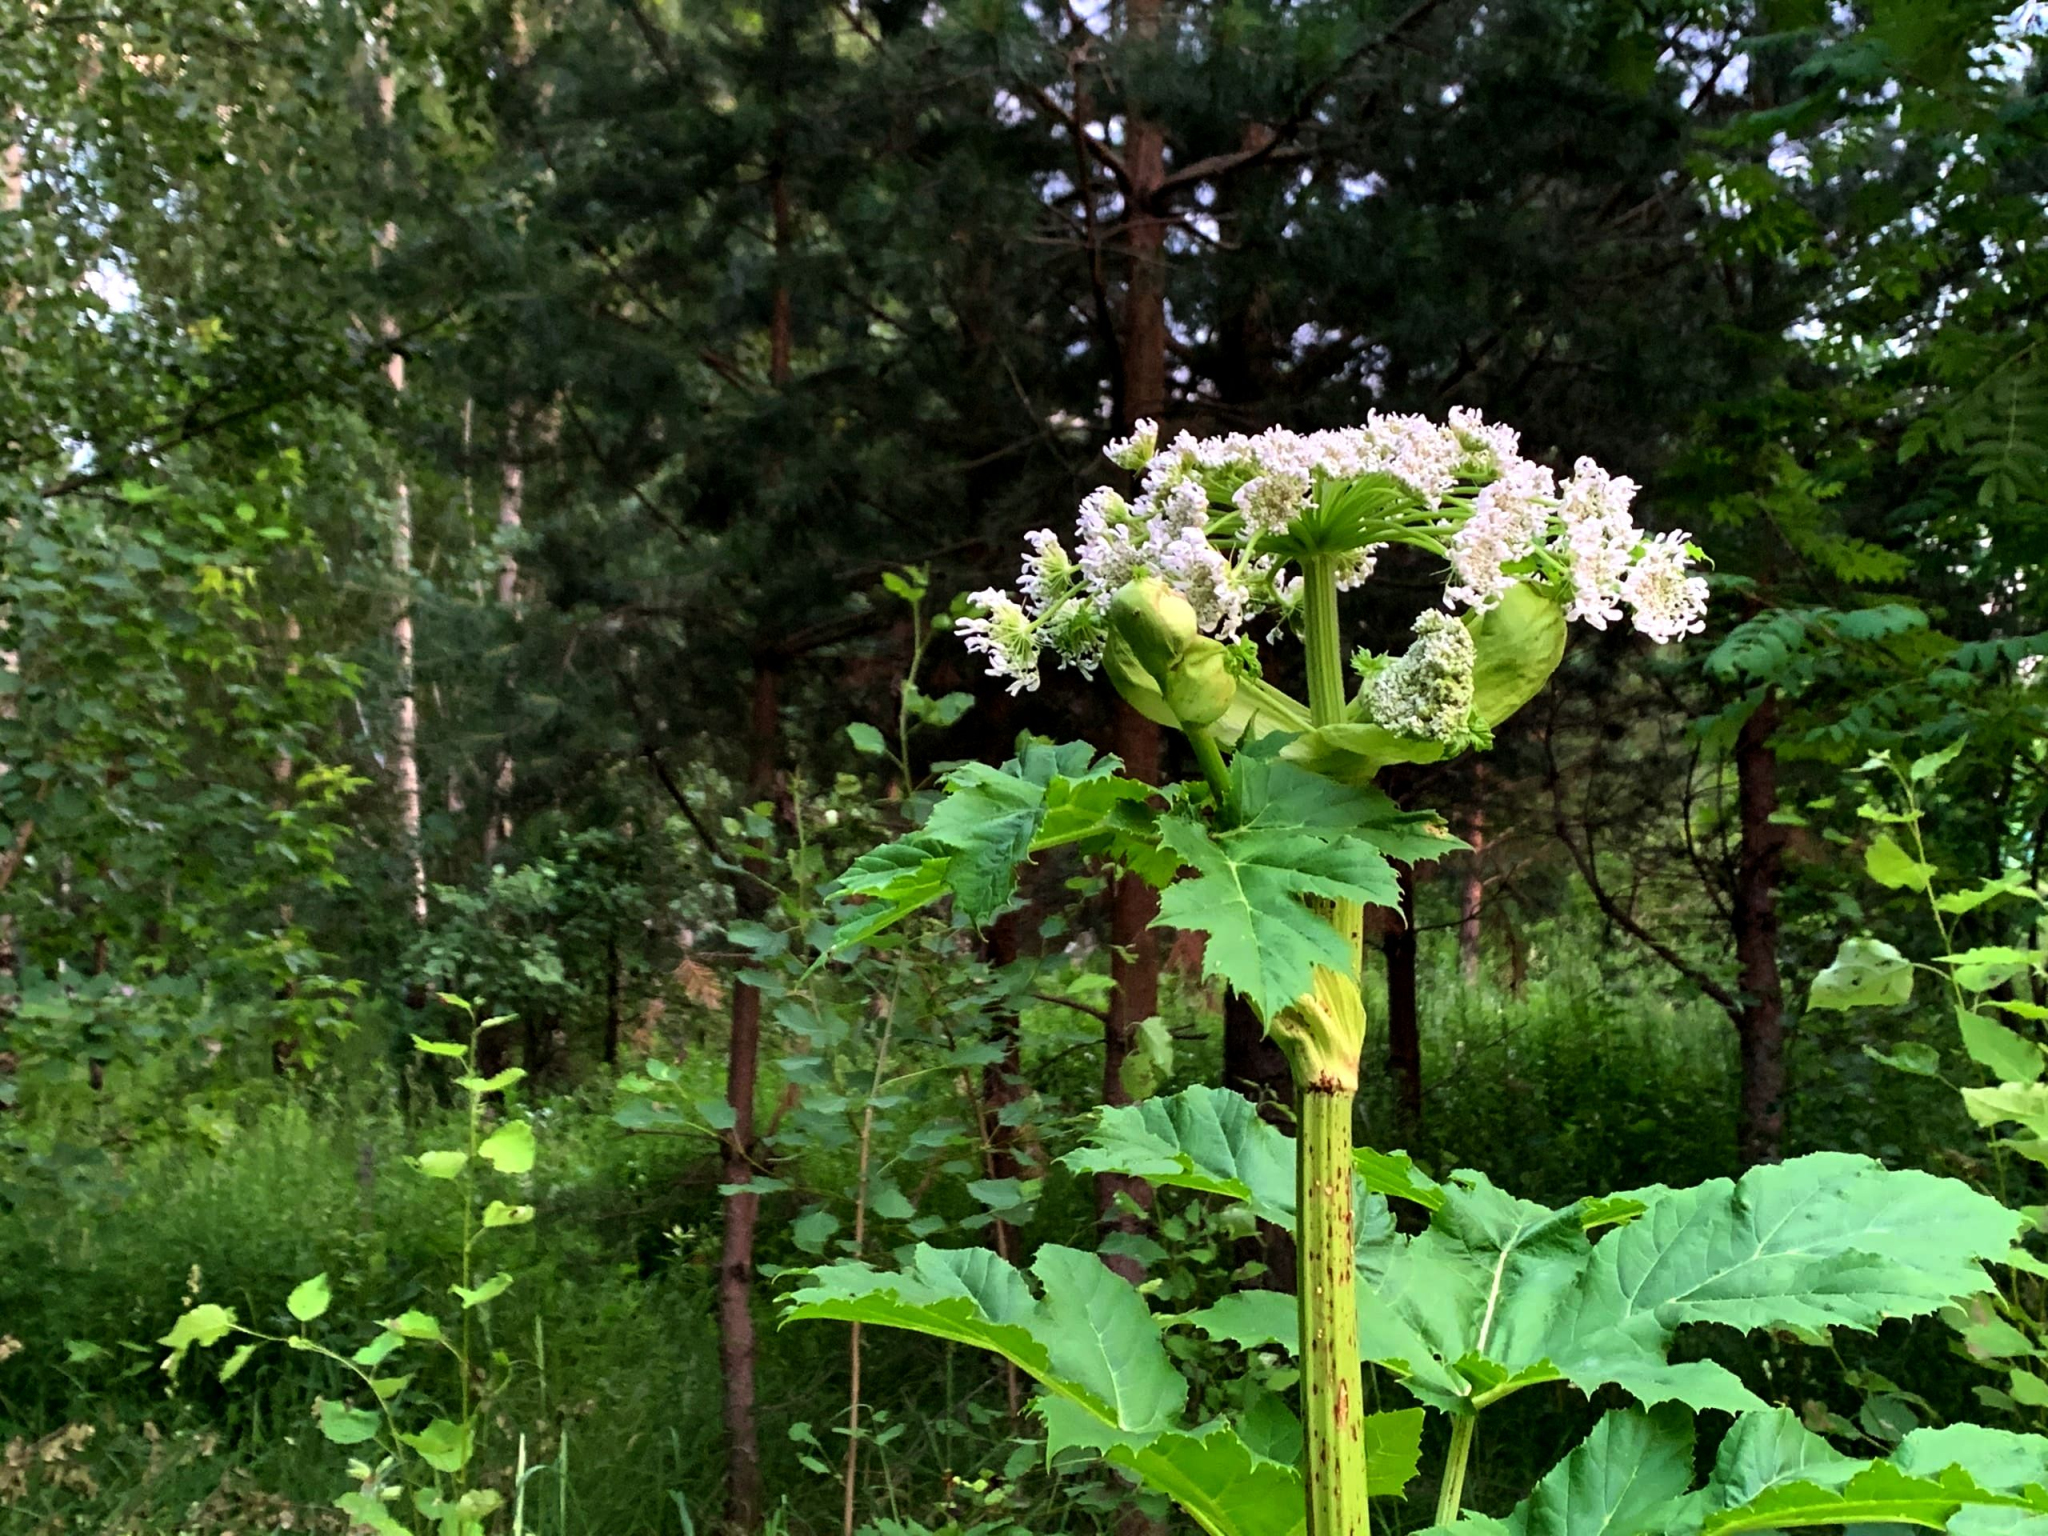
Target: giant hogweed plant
{"x": 1273, "y": 855}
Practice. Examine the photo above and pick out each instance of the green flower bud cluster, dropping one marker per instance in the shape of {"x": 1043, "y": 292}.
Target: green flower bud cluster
{"x": 1426, "y": 693}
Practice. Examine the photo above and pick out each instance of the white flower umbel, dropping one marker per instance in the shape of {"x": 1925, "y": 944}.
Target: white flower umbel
{"x": 1600, "y": 541}
{"x": 1491, "y": 550}
{"x": 1666, "y": 601}
{"x": 1221, "y": 519}
{"x": 1135, "y": 452}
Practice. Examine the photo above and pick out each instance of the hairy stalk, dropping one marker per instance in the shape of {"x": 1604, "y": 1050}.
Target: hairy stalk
{"x": 1332, "y": 1412}
{"x": 1324, "y": 1033}
{"x": 1457, "y": 1457}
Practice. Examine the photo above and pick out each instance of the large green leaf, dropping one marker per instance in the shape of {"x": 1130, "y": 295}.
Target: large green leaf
{"x": 990, "y": 821}
{"x": 1630, "y": 1476}
{"x": 1091, "y": 1340}
{"x": 1771, "y": 1473}
{"x": 1499, "y": 1293}
{"x": 1288, "y": 835}
{"x": 1209, "y": 1472}
{"x": 1489, "y": 1269}
{"x": 1765, "y": 1451}
{"x": 1829, "y": 1240}
{"x": 1865, "y": 973}
{"x": 1221, "y": 1480}
{"x": 1618, "y": 1481}
{"x": 1247, "y": 895}
{"x": 1207, "y": 1139}
{"x": 1110, "y": 1388}
{"x": 1879, "y": 1494}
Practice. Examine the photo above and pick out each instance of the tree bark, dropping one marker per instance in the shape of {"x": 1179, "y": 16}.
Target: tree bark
{"x": 1404, "y": 1019}
{"x": 1134, "y": 989}
{"x": 1760, "y": 1022}
{"x": 511, "y": 508}
{"x": 1472, "y": 900}
{"x": 737, "y": 1352}
{"x": 1134, "y": 962}
{"x": 1253, "y": 1063}
{"x": 406, "y": 712}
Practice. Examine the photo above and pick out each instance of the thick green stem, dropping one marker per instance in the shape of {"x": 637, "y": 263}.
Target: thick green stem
{"x": 1452, "y": 1492}
{"x": 1332, "y": 1411}
{"x": 1321, "y": 641}
{"x": 1324, "y": 1033}
{"x": 1210, "y": 757}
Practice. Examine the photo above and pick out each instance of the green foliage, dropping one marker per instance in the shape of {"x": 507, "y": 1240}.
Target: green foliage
{"x": 1632, "y": 1474}
{"x": 1097, "y": 1349}
{"x": 991, "y": 821}
{"x": 444, "y": 1446}
{"x": 1495, "y": 1295}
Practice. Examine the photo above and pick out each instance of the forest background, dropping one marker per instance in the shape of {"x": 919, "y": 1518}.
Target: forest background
{"x": 487, "y": 486}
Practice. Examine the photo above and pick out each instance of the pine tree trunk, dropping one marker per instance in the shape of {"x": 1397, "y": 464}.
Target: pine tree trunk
{"x": 1134, "y": 963}
{"x": 1472, "y": 900}
{"x": 737, "y": 1350}
{"x": 1760, "y": 1027}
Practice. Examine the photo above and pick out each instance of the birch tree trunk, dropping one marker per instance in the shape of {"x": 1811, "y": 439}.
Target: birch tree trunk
{"x": 405, "y": 734}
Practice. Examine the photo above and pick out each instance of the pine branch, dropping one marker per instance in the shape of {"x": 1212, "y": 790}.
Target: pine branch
{"x": 1275, "y": 146}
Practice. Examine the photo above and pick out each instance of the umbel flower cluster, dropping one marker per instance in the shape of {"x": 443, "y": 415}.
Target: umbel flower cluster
{"x": 1221, "y": 519}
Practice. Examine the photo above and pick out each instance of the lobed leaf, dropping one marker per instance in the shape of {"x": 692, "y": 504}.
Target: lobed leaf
{"x": 990, "y": 822}
{"x": 1091, "y": 1340}
{"x": 1630, "y": 1477}
{"x": 1202, "y": 1138}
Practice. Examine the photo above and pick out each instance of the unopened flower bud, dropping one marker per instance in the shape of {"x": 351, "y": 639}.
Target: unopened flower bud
{"x": 1155, "y": 622}
{"x": 1200, "y": 686}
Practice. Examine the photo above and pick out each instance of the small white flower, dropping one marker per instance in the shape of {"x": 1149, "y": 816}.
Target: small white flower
{"x": 1110, "y": 546}
{"x": 1135, "y": 452}
{"x": 1353, "y": 570}
{"x": 1667, "y": 602}
{"x": 1048, "y": 573}
{"x": 1183, "y": 505}
{"x": 1272, "y": 500}
{"x": 1195, "y": 568}
{"x": 1002, "y": 632}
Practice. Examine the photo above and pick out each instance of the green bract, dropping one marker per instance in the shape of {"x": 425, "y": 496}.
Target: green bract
{"x": 1519, "y": 643}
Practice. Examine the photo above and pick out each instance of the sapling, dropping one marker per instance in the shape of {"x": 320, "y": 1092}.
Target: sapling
{"x": 436, "y": 1461}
